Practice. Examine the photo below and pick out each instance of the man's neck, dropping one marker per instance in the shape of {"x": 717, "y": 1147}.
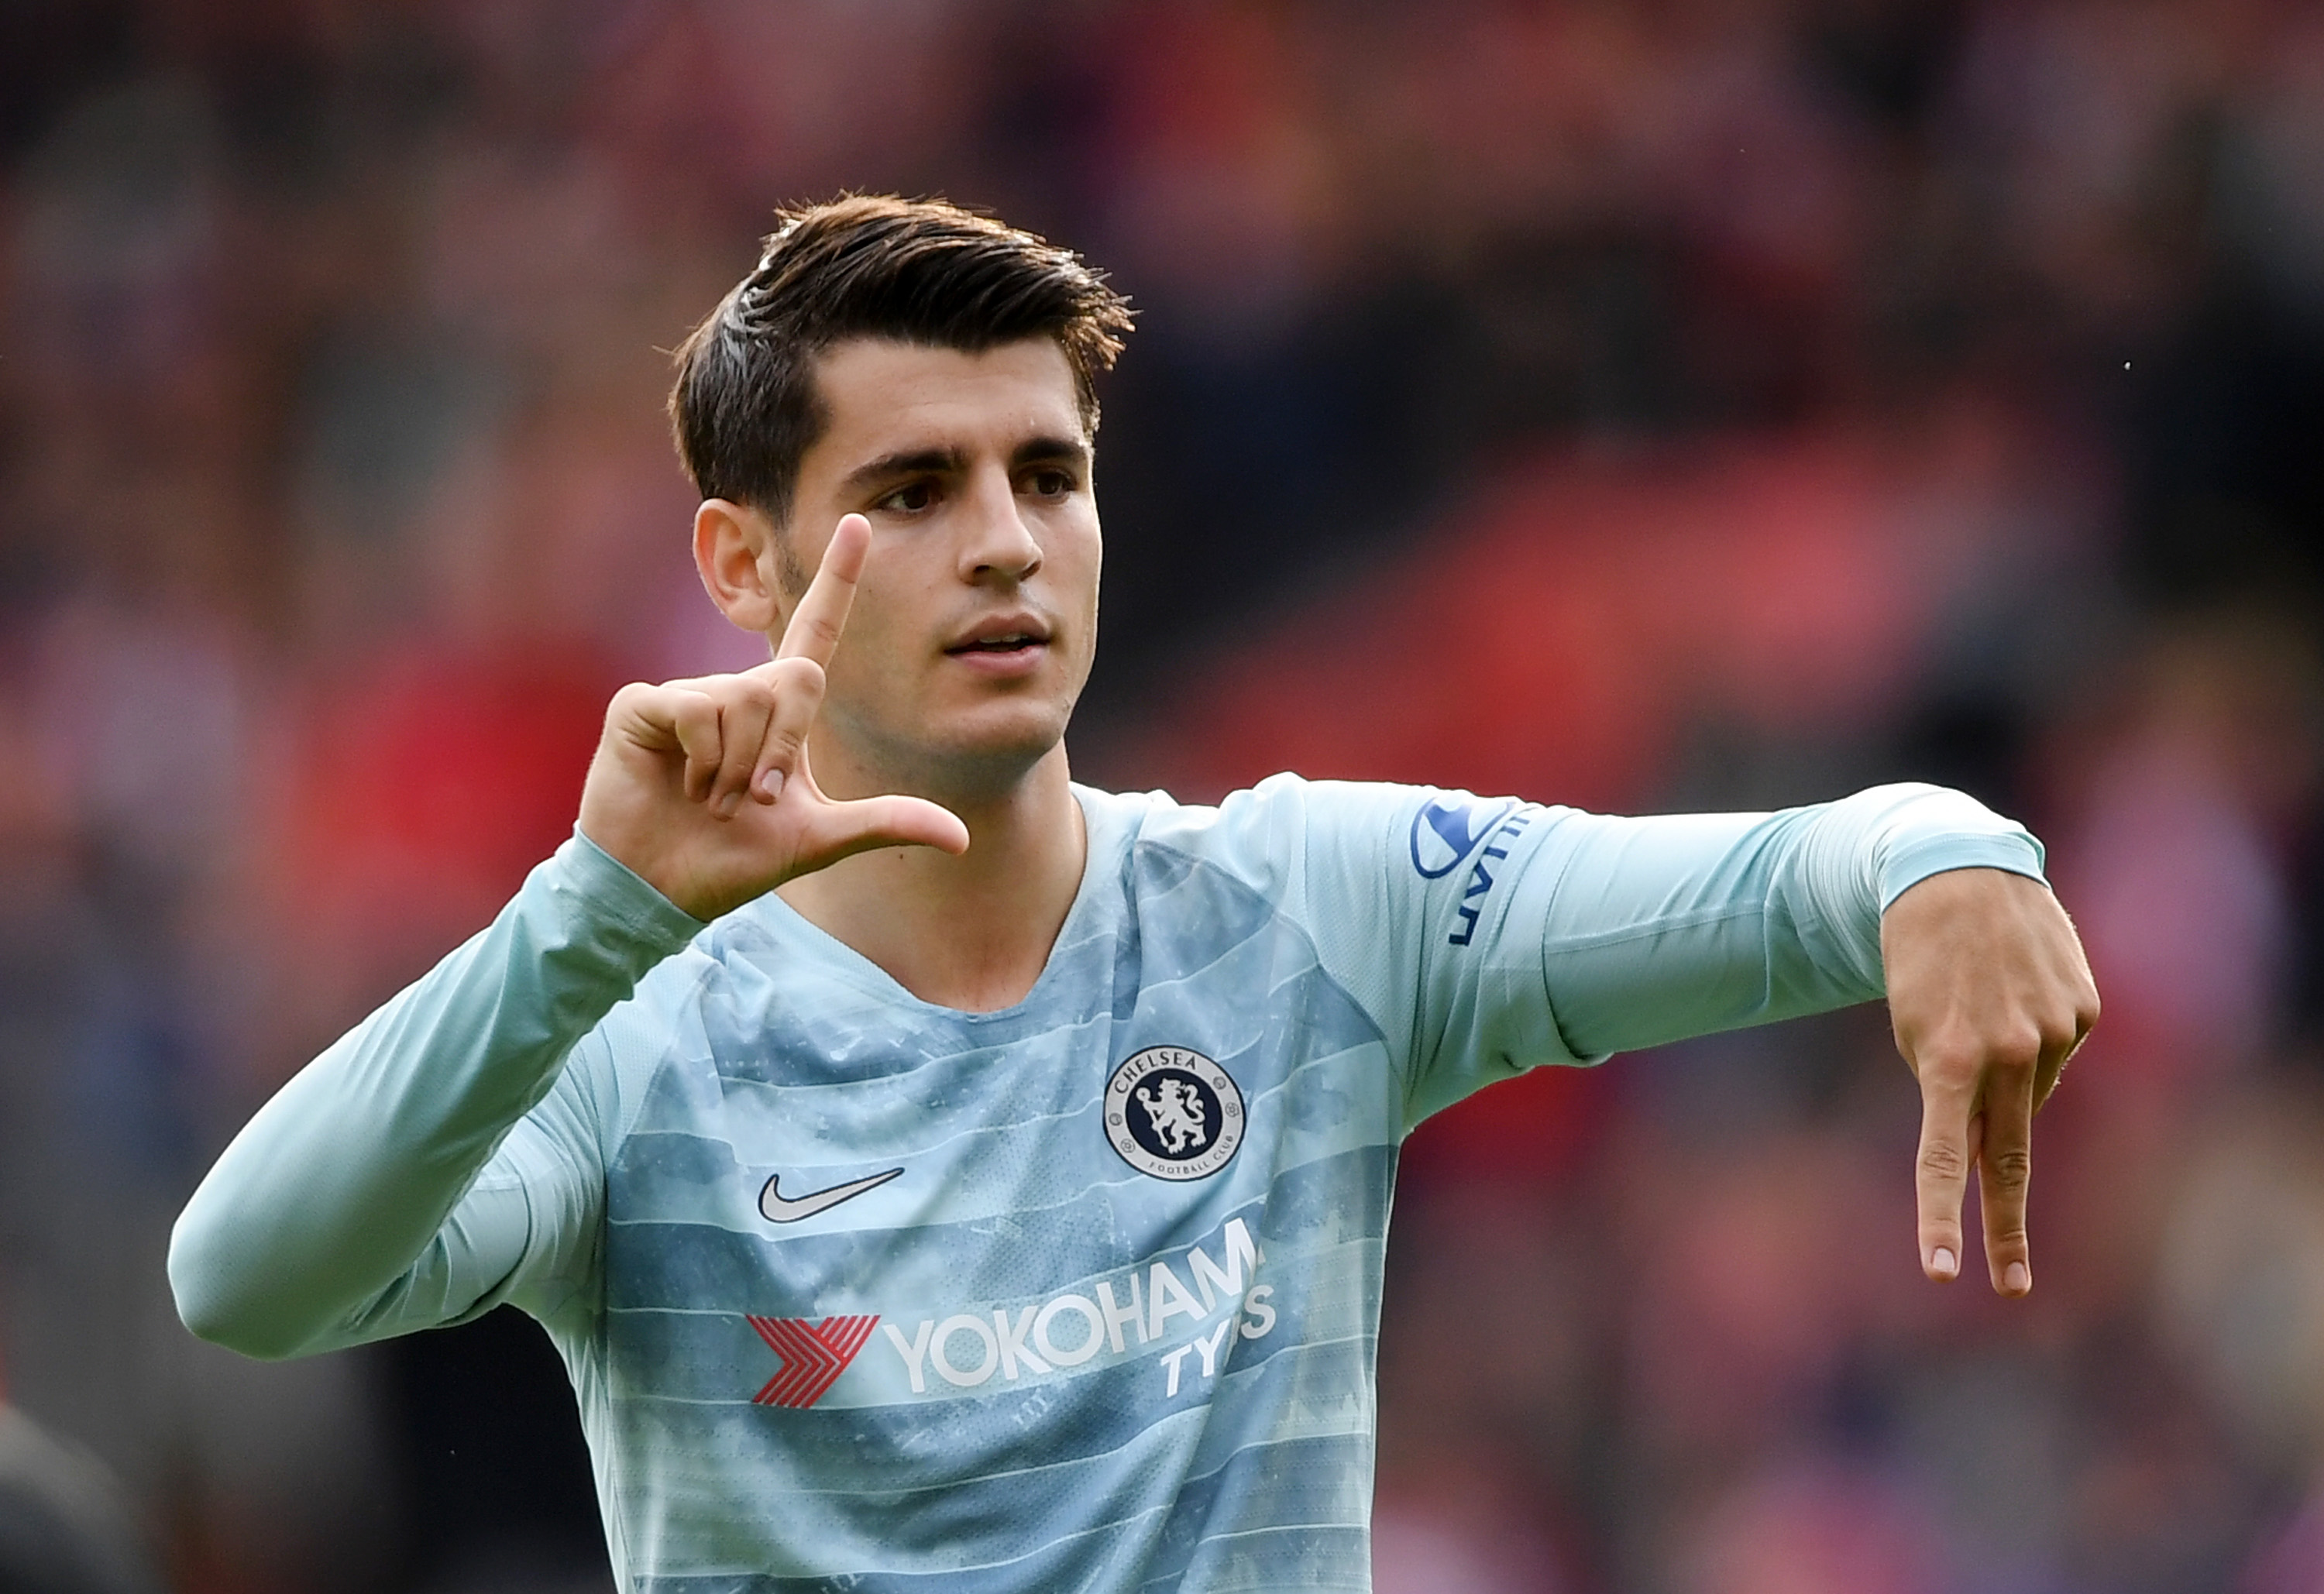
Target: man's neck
{"x": 972, "y": 932}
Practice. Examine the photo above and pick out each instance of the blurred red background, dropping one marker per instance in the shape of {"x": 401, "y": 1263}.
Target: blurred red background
{"x": 1643, "y": 407}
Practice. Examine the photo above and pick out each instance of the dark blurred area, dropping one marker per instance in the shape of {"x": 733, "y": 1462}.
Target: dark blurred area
{"x": 1644, "y": 407}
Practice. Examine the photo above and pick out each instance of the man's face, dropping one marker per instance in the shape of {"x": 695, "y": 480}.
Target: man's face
{"x": 976, "y": 618}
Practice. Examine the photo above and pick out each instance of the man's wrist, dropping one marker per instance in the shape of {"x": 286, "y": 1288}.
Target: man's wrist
{"x": 1910, "y": 864}
{"x": 620, "y": 899}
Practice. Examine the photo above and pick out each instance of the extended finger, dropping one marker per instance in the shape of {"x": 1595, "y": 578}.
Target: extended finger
{"x": 1941, "y": 1176}
{"x": 840, "y": 829}
{"x": 815, "y": 625}
{"x": 2004, "y": 1170}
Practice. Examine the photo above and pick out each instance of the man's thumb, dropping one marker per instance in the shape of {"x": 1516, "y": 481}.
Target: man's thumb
{"x": 866, "y": 823}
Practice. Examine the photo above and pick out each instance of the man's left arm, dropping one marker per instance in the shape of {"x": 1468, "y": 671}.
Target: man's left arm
{"x": 1486, "y": 936}
{"x": 1657, "y": 928}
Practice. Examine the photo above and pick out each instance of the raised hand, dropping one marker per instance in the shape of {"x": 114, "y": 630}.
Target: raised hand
{"x": 702, "y": 786}
{"x": 1989, "y": 994}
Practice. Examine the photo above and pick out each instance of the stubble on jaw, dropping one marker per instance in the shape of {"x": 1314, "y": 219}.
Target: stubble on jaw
{"x": 947, "y": 773}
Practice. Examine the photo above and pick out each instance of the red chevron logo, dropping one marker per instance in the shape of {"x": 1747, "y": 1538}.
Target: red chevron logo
{"x": 813, "y": 1355}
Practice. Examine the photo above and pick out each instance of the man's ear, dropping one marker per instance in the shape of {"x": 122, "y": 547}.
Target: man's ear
{"x": 735, "y": 551}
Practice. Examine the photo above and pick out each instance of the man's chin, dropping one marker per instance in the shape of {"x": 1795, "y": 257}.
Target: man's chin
{"x": 973, "y": 763}
{"x": 989, "y": 769}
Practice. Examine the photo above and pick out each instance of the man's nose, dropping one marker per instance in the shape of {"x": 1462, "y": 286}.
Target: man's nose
{"x": 996, "y": 538}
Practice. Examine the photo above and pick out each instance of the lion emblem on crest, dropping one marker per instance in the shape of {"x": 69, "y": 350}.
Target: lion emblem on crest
{"x": 1172, "y": 1113}
{"x": 1176, "y": 1113}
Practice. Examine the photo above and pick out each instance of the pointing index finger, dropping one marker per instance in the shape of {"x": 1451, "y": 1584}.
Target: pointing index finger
{"x": 1941, "y": 1173}
{"x": 822, "y": 613}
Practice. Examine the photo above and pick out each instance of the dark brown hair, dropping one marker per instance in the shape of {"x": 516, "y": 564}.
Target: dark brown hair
{"x": 744, "y": 408}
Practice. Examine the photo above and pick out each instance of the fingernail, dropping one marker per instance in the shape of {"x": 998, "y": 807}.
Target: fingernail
{"x": 771, "y": 783}
{"x": 1943, "y": 1262}
{"x": 728, "y": 804}
{"x": 2016, "y": 1278}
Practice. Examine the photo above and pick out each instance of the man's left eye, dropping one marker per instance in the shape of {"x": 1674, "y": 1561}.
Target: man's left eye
{"x": 1051, "y": 484}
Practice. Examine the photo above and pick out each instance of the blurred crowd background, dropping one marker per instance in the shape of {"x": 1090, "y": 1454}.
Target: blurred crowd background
{"x": 1644, "y": 406}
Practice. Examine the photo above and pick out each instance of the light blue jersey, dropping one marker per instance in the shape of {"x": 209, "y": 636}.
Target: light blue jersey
{"x": 862, "y": 1293}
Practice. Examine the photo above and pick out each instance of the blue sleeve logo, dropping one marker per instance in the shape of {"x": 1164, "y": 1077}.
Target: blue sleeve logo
{"x": 1448, "y": 829}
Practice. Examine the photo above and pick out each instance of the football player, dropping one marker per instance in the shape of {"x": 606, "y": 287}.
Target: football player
{"x": 939, "y": 1175}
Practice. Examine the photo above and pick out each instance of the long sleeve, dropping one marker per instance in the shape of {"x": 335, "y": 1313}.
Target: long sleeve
{"x": 383, "y": 1183}
{"x": 1488, "y": 935}
{"x": 1661, "y": 928}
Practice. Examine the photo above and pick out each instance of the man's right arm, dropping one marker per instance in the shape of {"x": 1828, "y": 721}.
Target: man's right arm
{"x": 357, "y": 1204}
{"x": 342, "y": 1186}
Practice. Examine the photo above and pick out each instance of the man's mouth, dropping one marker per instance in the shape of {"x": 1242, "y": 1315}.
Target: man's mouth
{"x": 1004, "y": 634}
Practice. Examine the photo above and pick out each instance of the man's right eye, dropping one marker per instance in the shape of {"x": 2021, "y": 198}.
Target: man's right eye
{"x": 908, "y": 499}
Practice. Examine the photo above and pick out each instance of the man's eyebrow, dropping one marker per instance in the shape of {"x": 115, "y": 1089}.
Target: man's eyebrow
{"x": 1070, "y": 451}
{"x": 912, "y": 462}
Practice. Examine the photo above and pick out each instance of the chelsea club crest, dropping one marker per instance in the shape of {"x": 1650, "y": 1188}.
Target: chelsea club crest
{"x": 1172, "y": 1113}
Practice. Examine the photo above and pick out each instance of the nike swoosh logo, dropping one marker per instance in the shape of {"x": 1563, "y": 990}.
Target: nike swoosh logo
{"x": 776, "y": 1208}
